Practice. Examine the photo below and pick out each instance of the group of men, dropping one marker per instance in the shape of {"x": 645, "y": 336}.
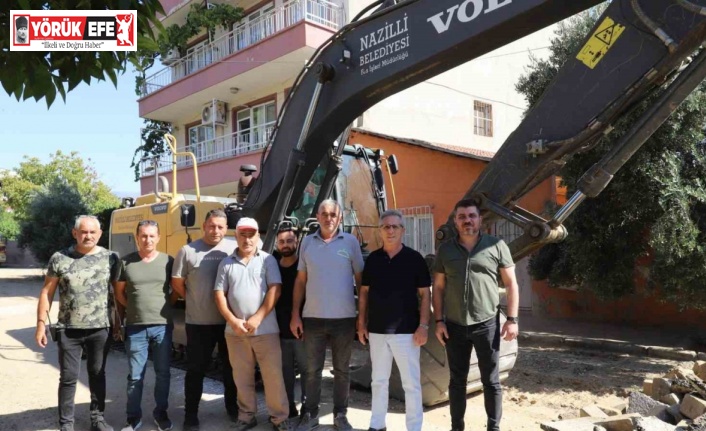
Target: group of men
{"x": 275, "y": 313}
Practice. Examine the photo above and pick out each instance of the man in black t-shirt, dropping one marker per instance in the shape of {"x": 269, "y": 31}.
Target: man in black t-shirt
{"x": 394, "y": 316}
{"x": 292, "y": 348}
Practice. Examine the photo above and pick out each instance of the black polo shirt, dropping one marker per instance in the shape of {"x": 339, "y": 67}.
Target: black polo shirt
{"x": 393, "y": 304}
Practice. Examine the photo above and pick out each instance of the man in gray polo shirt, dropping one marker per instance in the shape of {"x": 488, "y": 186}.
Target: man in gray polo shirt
{"x": 193, "y": 278}
{"x": 247, "y": 287}
{"x": 466, "y": 273}
{"x": 329, "y": 263}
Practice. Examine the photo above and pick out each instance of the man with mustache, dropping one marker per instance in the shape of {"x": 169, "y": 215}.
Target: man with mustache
{"x": 465, "y": 285}
{"x": 83, "y": 273}
{"x": 292, "y": 348}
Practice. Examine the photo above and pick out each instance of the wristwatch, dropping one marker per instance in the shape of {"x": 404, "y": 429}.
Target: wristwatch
{"x": 424, "y": 325}
{"x": 513, "y": 319}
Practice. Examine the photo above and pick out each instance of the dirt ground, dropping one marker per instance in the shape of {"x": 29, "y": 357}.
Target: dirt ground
{"x": 546, "y": 383}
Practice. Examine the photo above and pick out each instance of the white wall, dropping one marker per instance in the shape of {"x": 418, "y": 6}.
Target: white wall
{"x": 440, "y": 110}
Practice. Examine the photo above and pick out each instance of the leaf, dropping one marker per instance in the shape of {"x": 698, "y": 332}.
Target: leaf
{"x": 147, "y": 43}
{"x": 50, "y": 96}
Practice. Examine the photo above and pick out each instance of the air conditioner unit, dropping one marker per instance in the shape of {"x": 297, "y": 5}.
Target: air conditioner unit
{"x": 171, "y": 57}
{"x": 214, "y": 113}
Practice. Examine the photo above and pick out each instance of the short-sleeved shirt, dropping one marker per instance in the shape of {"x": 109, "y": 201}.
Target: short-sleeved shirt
{"x": 393, "y": 304}
{"x": 283, "y": 309}
{"x": 84, "y": 287}
{"x": 245, "y": 286}
{"x": 197, "y": 263}
{"x": 147, "y": 289}
{"x": 471, "y": 294}
{"x": 330, "y": 269}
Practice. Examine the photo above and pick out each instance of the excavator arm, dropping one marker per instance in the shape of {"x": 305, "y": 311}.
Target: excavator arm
{"x": 636, "y": 46}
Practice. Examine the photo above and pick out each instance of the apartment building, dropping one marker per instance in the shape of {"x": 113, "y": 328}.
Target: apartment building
{"x": 223, "y": 94}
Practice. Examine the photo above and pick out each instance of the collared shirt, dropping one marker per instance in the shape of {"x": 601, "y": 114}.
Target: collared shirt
{"x": 393, "y": 295}
{"x": 245, "y": 286}
{"x": 330, "y": 269}
{"x": 471, "y": 294}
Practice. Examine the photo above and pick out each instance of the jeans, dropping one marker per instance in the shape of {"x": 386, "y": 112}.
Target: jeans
{"x": 293, "y": 351}
{"x": 245, "y": 353}
{"x": 140, "y": 339}
{"x": 485, "y": 337}
{"x": 200, "y": 342}
{"x": 340, "y": 333}
{"x": 401, "y": 347}
{"x": 71, "y": 343}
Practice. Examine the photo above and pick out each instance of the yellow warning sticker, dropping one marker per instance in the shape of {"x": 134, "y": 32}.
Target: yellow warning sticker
{"x": 600, "y": 42}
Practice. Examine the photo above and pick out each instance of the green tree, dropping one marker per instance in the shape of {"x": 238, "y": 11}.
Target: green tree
{"x": 49, "y": 219}
{"x": 21, "y": 184}
{"x": 654, "y": 208}
{"x": 9, "y": 228}
{"x": 42, "y": 75}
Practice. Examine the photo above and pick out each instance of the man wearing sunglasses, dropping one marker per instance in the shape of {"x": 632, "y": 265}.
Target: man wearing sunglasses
{"x": 393, "y": 315}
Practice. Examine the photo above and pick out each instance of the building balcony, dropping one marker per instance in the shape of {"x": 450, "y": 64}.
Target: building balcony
{"x": 289, "y": 33}
{"x": 215, "y": 176}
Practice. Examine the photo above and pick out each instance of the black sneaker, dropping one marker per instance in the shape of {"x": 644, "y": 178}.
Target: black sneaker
{"x": 242, "y": 425}
{"x": 340, "y": 422}
{"x": 132, "y": 424}
{"x": 101, "y": 425}
{"x": 191, "y": 424}
{"x": 162, "y": 421}
{"x": 308, "y": 422}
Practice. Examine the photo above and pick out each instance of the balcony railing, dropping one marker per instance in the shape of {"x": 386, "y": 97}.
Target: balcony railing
{"x": 236, "y": 144}
{"x": 321, "y": 12}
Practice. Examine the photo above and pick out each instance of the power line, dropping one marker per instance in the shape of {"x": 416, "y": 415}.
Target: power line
{"x": 474, "y": 96}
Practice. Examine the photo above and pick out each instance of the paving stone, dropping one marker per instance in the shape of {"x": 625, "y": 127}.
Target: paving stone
{"x": 674, "y": 411}
{"x": 700, "y": 369}
{"x": 592, "y": 411}
{"x": 670, "y": 399}
{"x": 647, "y": 387}
{"x": 610, "y": 410}
{"x": 619, "y": 423}
{"x": 653, "y": 424}
{"x": 642, "y": 404}
{"x": 581, "y": 424}
{"x": 661, "y": 413}
{"x": 692, "y": 407}
{"x": 661, "y": 387}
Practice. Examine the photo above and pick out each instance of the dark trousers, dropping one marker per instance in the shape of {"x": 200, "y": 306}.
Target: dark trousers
{"x": 200, "y": 342}
{"x": 339, "y": 333}
{"x": 485, "y": 337}
{"x": 71, "y": 343}
{"x": 293, "y": 351}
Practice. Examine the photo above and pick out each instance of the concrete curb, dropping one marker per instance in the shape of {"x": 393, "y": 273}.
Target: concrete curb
{"x": 606, "y": 345}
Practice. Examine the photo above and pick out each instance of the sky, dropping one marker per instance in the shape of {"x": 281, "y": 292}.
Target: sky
{"x": 98, "y": 121}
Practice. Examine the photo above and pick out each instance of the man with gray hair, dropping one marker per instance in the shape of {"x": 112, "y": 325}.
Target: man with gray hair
{"x": 393, "y": 315}
{"x": 329, "y": 262}
{"x": 83, "y": 273}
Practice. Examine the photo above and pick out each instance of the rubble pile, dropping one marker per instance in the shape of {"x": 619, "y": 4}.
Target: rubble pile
{"x": 673, "y": 402}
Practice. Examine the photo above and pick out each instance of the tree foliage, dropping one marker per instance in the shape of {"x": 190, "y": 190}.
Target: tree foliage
{"x": 652, "y": 216}
{"x": 50, "y": 216}
{"x": 153, "y": 144}
{"x": 9, "y": 227}
{"x": 43, "y": 75}
{"x": 20, "y": 185}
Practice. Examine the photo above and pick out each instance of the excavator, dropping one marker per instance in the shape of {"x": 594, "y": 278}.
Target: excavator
{"x": 638, "y": 48}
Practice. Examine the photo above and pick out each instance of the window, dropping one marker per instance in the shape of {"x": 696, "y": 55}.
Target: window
{"x": 482, "y": 119}
{"x": 254, "y": 126}
{"x": 419, "y": 229}
{"x": 199, "y": 55}
{"x": 198, "y": 137}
